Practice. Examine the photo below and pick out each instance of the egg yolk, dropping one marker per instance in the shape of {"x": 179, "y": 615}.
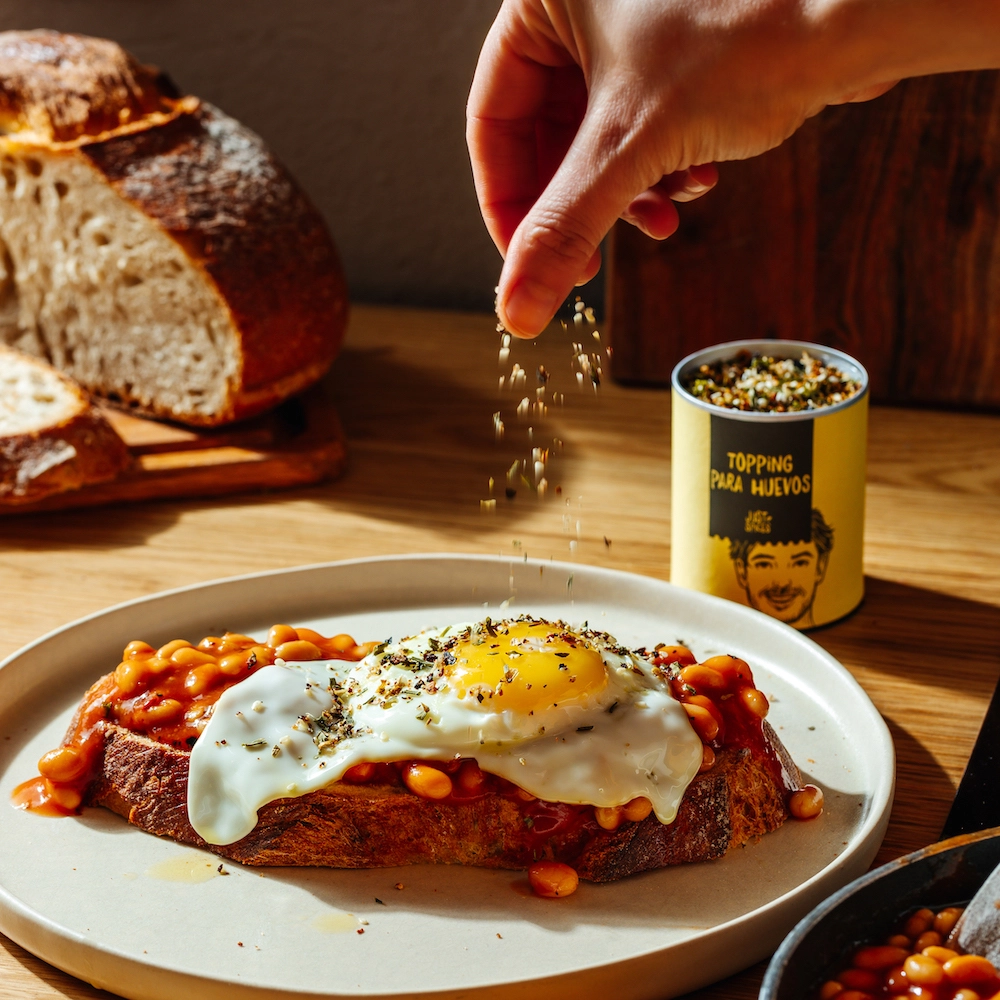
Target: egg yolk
{"x": 526, "y": 666}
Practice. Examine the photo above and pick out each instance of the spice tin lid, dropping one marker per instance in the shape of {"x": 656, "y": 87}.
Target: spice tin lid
{"x": 851, "y": 367}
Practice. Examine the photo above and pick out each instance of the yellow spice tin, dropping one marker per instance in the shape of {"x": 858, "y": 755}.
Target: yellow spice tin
{"x": 767, "y": 509}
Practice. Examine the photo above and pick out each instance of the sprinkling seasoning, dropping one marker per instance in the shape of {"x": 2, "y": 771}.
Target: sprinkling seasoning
{"x": 531, "y": 409}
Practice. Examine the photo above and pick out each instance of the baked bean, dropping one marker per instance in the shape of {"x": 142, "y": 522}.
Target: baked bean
{"x": 703, "y": 722}
{"x": 298, "y": 649}
{"x": 234, "y": 663}
{"x": 129, "y": 675}
{"x": 860, "y": 979}
{"x": 65, "y": 795}
{"x": 199, "y": 680}
{"x": 65, "y": 764}
{"x": 732, "y": 668}
{"x": 638, "y": 809}
{"x": 830, "y": 989}
{"x": 707, "y": 759}
{"x": 706, "y": 703}
{"x": 928, "y": 939}
{"x": 945, "y": 921}
{"x": 608, "y": 817}
{"x": 137, "y": 649}
{"x": 967, "y": 970}
{"x": 666, "y": 655}
{"x": 922, "y": 970}
{"x": 157, "y": 712}
{"x": 896, "y": 981}
{"x": 279, "y": 634}
{"x": 341, "y": 643}
{"x": 918, "y": 922}
{"x": 171, "y": 647}
{"x": 965, "y": 994}
{"x": 210, "y": 642}
{"x": 426, "y": 781}
{"x": 311, "y": 635}
{"x": 899, "y": 940}
{"x": 359, "y": 773}
{"x": 188, "y": 656}
{"x": 470, "y": 777}
{"x": 854, "y": 995}
{"x": 879, "y": 957}
{"x": 755, "y": 701}
{"x": 939, "y": 954}
{"x": 806, "y": 803}
{"x": 233, "y": 641}
{"x": 703, "y": 678}
{"x": 552, "y": 879}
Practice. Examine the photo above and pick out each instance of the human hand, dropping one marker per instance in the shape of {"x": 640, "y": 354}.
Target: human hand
{"x": 585, "y": 111}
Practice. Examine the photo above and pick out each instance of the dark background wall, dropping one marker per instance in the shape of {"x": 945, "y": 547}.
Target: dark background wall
{"x": 363, "y": 99}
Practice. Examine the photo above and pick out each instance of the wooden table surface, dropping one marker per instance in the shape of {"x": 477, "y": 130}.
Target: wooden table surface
{"x": 416, "y": 391}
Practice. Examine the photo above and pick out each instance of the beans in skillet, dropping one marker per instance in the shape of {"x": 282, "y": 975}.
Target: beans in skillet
{"x": 915, "y": 962}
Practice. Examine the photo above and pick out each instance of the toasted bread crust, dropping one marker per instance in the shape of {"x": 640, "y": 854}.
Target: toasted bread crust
{"x": 216, "y": 188}
{"x": 369, "y": 826}
{"x": 212, "y": 185}
{"x": 60, "y": 87}
{"x": 78, "y": 448}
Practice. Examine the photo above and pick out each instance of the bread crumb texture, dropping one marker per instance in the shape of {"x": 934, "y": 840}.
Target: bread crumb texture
{"x": 151, "y": 247}
{"x": 51, "y": 437}
{"x": 89, "y": 283}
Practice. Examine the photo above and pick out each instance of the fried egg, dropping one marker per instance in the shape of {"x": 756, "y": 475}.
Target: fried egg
{"x": 567, "y": 715}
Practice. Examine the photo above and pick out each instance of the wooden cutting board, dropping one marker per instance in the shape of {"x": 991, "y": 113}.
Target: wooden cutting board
{"x": 299, "y": 443}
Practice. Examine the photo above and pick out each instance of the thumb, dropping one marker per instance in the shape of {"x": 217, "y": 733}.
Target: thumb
{"x": 556, "y": 244}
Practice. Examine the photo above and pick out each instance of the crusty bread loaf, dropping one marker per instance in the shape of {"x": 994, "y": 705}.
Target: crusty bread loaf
{"x": 371, "y": 826}
{"x": 51, "y": 437}
{"x": 150, "y": 246}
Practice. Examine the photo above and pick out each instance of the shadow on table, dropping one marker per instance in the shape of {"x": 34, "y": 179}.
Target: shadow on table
{"x": 944, "y": 642}
{"x": 421, "y": 452}
{"x": 88, "y": 528}
{"x": 56, "y": 983}
{"x": 950, "y": 646}
{"x": 422, "y": 446}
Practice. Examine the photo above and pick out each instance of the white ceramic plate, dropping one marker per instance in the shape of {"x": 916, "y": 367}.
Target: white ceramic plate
{"x": 151, "y": 919}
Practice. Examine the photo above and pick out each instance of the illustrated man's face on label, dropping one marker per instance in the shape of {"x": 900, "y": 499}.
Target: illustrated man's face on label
{"x": 781, "y": 580}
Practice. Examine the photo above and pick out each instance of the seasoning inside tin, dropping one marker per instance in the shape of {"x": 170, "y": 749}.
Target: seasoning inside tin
{"x": 766, "y": 384}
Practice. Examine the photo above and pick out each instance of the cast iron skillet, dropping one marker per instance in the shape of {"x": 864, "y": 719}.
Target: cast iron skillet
{"x": 871, "y": 907}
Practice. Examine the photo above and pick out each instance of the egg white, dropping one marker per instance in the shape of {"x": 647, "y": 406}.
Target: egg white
{"x": 292, "y": 728}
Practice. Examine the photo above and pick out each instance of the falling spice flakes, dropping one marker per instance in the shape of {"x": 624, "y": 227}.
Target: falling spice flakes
{"x": 531, "y": 408}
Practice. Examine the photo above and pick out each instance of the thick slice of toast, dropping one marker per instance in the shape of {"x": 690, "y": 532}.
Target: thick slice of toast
{"x": 740, "y": 799}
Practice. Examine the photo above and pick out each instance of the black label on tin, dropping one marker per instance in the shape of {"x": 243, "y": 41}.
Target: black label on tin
{"x": 760, "y": 483}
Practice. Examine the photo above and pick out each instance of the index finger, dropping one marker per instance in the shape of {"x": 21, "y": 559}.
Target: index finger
{"x": 526, "y": 102}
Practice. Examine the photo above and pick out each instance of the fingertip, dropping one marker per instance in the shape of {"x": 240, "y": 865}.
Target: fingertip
{"x": 593, "y": 266}
{"x": 528, "y": 307}
{"x": 654, "y": 214}
{"x": 705, "y": 175}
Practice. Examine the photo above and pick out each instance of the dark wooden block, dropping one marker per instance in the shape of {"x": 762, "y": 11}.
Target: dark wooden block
{"x": 874, "y": 229}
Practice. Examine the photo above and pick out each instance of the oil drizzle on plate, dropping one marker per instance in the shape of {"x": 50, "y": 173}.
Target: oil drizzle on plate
{"x": 336, "y": 923}
{"x": 191, "y": 866}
